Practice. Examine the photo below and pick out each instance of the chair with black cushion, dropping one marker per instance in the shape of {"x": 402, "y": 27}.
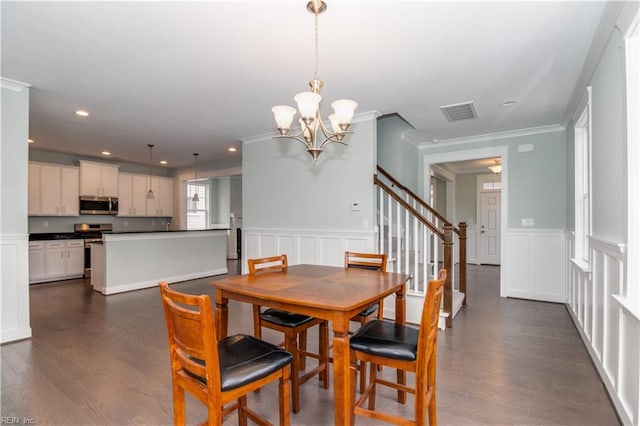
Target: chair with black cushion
{"x": 374, "y": 262}
{"x": 405, "y": 348}
{"x": 294, "y": 327}
{"x": 220, "y": 373}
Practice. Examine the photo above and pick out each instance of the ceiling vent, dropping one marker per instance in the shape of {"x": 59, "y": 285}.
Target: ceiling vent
{"x": 457, "y": 112}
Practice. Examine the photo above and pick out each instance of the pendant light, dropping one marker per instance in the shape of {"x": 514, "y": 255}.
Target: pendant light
{"x": 150, "y": 195}
{"x": 195, "y": 198}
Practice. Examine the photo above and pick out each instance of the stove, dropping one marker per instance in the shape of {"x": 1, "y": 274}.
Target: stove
{"x": 91, "y": 233}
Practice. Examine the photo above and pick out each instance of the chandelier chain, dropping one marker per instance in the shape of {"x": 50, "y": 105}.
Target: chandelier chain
{"x": 317, "y": 75}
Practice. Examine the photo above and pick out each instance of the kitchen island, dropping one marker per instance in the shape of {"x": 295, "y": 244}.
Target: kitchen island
{"x": 126, "y": 261}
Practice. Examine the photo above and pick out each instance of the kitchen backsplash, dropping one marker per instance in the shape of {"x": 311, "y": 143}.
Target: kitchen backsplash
{"x": 41, "y": 224}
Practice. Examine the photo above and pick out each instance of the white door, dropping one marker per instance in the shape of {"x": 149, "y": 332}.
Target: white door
{"x": 489, "y": 228}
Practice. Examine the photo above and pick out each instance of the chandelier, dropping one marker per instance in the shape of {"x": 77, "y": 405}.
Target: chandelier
{"x": 309, "y": 106}
{"x": 496, "y": 168}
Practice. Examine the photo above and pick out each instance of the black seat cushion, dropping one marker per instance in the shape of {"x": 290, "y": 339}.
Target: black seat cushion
{"x": 370, "y": 310}
{"x": 386, "y": 339}
{"x": 283, "y": 318}
{"x": 245, "y": 359}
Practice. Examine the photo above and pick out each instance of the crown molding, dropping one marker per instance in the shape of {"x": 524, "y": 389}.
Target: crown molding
{"x": 14, "y": 85}
{"x": 492, "y": 136}
{"x": 357, "y": 118}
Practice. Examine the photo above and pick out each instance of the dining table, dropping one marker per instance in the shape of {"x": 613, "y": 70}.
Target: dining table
{"x": 332, "y": 293}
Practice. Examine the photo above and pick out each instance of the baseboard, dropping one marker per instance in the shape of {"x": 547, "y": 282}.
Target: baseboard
{"x": 152, "y": 283}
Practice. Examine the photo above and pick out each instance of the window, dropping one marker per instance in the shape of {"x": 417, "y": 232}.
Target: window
{"x": 198, "y": 211}
{"x": 582, "y": 181}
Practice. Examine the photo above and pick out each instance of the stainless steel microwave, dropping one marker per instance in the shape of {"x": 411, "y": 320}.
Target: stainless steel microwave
{"x": 99, "y": 205}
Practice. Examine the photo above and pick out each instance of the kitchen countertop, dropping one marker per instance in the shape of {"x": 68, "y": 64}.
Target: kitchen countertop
{"x": 78, "y": 235}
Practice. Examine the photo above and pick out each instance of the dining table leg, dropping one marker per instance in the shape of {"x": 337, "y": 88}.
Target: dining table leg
{"x": 341, "y": 372}
{"x": 222, "y": 315}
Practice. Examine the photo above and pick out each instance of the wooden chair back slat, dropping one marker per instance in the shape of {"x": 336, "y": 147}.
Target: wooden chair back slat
{"x": 377, "y": 261}
{"x": 268, "y": 264}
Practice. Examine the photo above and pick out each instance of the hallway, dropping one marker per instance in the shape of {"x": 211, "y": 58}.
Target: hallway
{"x": 103, "y": 360}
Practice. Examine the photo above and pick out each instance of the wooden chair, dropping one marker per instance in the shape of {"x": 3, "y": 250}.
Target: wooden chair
{"x": 294, "y": 327}
{"x": 376, "y": 262}
{"x": 405, "y": 348}
{"x": 218, "y": 373}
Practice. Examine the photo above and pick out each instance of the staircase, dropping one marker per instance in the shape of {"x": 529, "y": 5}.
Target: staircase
{"x": 419, "y": 241}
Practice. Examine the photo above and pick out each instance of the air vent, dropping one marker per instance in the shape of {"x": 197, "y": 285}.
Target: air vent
{"x": 457, "y": 112}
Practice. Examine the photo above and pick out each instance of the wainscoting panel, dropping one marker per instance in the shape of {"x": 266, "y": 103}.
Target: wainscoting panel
{"x": 608, "y": 323}
{"x": 14, "y": 270}
{"x": 535, "y": 268}
{"x": 305, "y": 246}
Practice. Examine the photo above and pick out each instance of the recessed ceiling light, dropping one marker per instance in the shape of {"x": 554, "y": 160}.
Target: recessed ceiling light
{"x": 508, "y": 103}
{"x": 82, "y": 113}
{"x": 30, "y": 140}
{"x": 163, "y": 161}
{"x": 435, "y": 140}
{"x": 232, "y": 149}
{"x": 106, "y": 153}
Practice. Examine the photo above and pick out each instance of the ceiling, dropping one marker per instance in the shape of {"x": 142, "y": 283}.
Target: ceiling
{"x": 199, "y": 76}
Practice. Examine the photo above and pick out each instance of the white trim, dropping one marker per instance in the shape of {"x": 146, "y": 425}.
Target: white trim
{"x": 14, "y": 85}
{"x": 425, "y": 145}
{"x": 357, "y": 118}
{"x": 470, "y": 154}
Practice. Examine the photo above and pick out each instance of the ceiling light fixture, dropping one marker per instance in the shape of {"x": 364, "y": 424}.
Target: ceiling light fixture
{"x": 508, "y": 103}
{"x": 195, "y": 198}
{"x": 150, "y": 195}
{"x": 232, "y": 149}
{"x": 496, "y": 168}
{"x": 82, "y": 113}
{"x": 163, "y": 162}
{"x": 107, "y": 153}
{"x": 309, "y": 107}
{"x": 30, "y": 141}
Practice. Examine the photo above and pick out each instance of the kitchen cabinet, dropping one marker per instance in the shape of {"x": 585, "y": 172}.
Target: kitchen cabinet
{"x": 53, "y": 190}
{"x": 132, "y": 194}
{"x": 37, "y": 261}
{"x": 55, "y": 260}
{"x": 162, "y": 205}
{"x": 98, "y": 179}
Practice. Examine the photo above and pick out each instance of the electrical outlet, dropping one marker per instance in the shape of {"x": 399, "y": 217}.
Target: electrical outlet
{"x": 527, "y": 221}
{"x": 355, "y": 206}
{"x": 45, "y": 224}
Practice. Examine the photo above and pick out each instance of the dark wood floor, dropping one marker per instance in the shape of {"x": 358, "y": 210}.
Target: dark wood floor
{"x": 103, "y": 360}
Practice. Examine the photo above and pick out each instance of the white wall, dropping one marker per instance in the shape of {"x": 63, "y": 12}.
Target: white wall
{"x": 284, "y": 192}
{"x": 397, "y": 156}
{"x": 14, "y": 237}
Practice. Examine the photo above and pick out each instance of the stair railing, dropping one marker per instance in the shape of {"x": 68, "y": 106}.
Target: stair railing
{"x": 418, "y": 239}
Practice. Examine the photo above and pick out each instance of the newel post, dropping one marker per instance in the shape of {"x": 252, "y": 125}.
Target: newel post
{"x": 448, "y": 265}
{"x": 462, "y": 238}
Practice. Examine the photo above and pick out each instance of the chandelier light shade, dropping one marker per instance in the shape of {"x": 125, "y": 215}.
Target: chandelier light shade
{"x": 150, "y": 195}
{"x": 496, "y": 168}
{"x": 195, "y": 198}
{"x": 313, "y": 133}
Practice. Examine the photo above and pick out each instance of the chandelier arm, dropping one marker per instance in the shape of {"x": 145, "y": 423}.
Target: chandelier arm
{"x": 330, "y": 139}
{"x": 295, "y": 137}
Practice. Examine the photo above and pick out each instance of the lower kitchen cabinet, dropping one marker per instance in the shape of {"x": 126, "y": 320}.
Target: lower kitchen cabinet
{"x": 55, "y": 260}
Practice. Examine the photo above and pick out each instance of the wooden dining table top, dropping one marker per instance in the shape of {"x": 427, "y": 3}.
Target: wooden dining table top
{"x": 329, "y": 288}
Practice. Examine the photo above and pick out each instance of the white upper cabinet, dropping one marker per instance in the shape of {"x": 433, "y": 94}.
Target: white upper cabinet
{"x": 132, "y": 195}
{"x": 53, "y": 190}
{"x": 98, "y": 179}
{"x": 162, "y": 204}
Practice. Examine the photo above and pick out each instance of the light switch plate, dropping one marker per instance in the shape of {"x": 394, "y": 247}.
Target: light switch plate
{"x": 527, "y": 221}
{"x": 355, "y": 206}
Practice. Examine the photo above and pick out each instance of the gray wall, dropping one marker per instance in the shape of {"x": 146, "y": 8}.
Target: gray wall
{"x": 395, "y": 155}
{"x": 537, "y": 180}
{"x": 466, "y": 198}
{"x": 282, "y": 188}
